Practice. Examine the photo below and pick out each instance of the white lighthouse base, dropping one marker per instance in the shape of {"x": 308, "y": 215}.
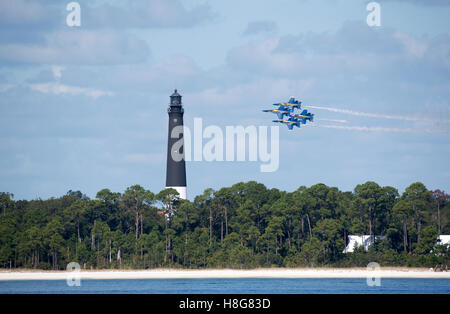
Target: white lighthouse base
{"x": 180, "y": 189}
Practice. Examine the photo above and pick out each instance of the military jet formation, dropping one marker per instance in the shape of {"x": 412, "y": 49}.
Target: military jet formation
{"x": 286, "y": 115}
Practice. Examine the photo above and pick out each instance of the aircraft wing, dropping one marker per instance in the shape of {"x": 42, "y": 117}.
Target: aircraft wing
{"x": 304, "y": 116}
{"x": 280, "y": 113}
{"x": 289, "y": 123}
{"x": 285, "y": 121}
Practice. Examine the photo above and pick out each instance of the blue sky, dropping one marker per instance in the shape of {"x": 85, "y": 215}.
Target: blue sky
{"x": 84, "y": 108}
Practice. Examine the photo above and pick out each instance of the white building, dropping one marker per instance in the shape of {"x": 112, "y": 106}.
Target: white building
{"x": 364, "y": 240}
{"x": 356, "y": 241}
{"x": 443, "y": 239}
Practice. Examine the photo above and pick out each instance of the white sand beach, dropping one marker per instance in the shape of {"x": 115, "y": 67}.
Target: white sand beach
{"x": 226, "y": 273}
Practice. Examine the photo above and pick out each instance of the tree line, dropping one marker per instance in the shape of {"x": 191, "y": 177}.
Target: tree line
{"x": 243, "y": 226}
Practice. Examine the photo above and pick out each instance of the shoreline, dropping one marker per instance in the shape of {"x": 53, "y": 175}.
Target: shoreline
{"x": 285, "y": 273}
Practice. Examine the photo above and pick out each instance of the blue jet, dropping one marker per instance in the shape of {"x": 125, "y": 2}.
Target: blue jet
{"x": 285, "y": 108}
{"x": 290, "y": 122}
{"x": 304, "y": 116}
{"x": 281, "y": 111}
{"x": 292, "y": 103}
{"x": 286, "y": 114}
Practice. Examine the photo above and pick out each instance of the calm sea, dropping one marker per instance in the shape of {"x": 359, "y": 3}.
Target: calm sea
{"x": 229, "y": 286}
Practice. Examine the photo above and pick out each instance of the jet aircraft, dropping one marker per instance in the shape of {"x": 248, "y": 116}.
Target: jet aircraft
{"x": 285, "y": 108}
{"x": 281, "y": 111}
{"x": 304, "y": 116}
{"x": 286, "y": 113}
{"x": 290, "y": 122}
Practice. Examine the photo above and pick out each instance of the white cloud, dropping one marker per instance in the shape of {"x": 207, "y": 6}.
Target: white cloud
{"x": 78, "y": 47}
{"x": 121, "y": 14}
{"x": 59, "y": 89}
{"x": 57, "y": 71}
{"x": 262, "y": 57}
{"x": 165, "y": 75}
{"x": 413, "y": 47}
{"x": 354, "y": 49}
{"x": 21, "y": 12}
{"x": 147, "y": 14}
{"x": 5, "y": 87}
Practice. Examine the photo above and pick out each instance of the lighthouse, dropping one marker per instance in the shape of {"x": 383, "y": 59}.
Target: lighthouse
{"x": 176, "y": 167}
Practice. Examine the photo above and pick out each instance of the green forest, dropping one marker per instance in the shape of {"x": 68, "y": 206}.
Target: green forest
{"x": 243, "y": 226}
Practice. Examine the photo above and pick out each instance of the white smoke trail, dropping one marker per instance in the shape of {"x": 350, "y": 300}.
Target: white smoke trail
{"x": 368, "y": 114}
{"x": 382, "y": 129}
{"x": 333, "y": 120}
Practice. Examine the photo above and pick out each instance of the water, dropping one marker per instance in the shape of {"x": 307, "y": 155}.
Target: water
{"x": 229, "y": 286}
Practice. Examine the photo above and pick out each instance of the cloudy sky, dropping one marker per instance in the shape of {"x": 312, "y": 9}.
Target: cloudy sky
{"x": 84, "y": 108}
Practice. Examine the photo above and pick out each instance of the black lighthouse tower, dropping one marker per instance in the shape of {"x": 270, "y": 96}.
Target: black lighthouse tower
{"x": 176, "y": 167}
